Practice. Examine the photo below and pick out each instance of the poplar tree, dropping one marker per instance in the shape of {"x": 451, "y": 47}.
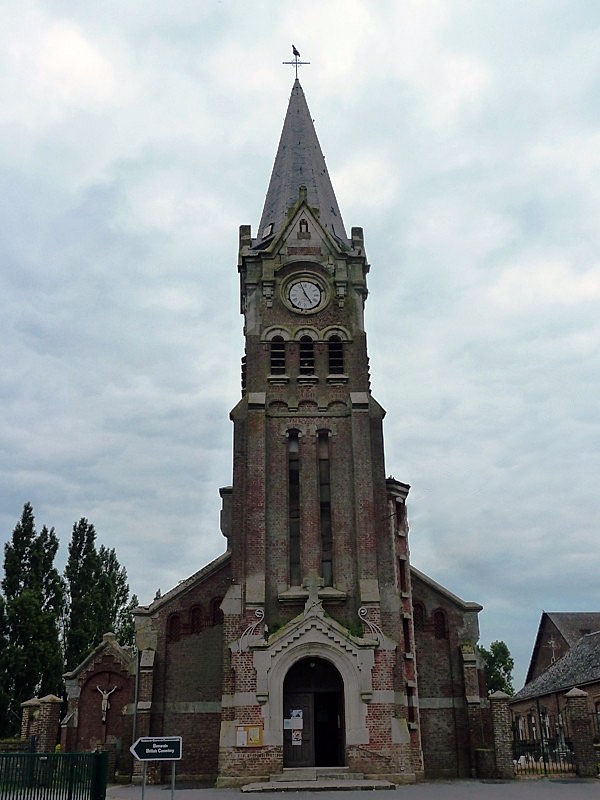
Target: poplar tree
{"x": 34, "y": 597}
{"x": 81, "y": 572}
{"x": 98, "y": 596}
{"x": 4, "y": 689}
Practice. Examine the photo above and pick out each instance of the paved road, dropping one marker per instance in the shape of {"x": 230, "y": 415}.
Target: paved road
{"x": 572, "y": 789}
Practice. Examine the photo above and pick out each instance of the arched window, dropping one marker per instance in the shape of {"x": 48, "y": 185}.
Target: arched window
{"x": 196, "y": 619}
{"x": 174, "y": 628}
{"x": 418, "y": 617}
{"x": 244, "y": 373}
{"x": 294, "y": 507}
{"x": 402, "y": 575}
{"x": 410, "y": 704}
{"x": 406, "y": 633}
{"x": 440, "y": 627}
{"x": 277, "y": 355}
{"x": 307, "y": 356}
{"x": 336, "y": 355}
{"x": 215, "y": 610}
{"x": 325, "y": 509}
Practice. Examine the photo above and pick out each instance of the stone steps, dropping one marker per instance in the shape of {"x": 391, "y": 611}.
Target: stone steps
{"x": 316, "y": 779}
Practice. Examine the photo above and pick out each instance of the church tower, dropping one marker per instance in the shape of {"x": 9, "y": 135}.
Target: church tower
{"x": 318, "y": 625}
{"x": 295, "y": 651}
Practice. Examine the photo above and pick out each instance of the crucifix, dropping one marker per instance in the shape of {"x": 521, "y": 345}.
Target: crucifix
{"x": 552, "y": 645}
{"x": 296, "y": 62}
{"x": 105, "y": 701}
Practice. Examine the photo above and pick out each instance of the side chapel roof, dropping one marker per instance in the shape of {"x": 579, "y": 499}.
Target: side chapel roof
{"x": 575, "y": 624}
{"x": 109, "y": 644}
{"x": 571, "y": 625}
{"x": 299, "y": 162}
{"x": 579, "y": 666}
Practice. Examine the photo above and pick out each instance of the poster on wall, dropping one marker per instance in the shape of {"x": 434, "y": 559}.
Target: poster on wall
{"x": 295, "y": 722}
{"x": 297, "y": 737}
{"x": 249, "y": 736}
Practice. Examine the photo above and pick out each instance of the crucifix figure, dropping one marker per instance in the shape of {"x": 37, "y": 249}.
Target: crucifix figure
{"x": 105, "y": 702}
{"x": 552, "y": 645}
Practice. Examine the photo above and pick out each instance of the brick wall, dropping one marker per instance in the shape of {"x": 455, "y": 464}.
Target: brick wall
{"x": 444, "y": 715}
{"x": 187, "y": 678}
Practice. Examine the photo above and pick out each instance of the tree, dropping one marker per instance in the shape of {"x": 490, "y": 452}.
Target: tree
{"x": 81, "y": 572}
{"x": 34, "y": 597}
{"x": 4, "y": 670}
{"x": 98, "y": 595}
{"x": 126, "y": 623}
{"x": 498, "y": 666}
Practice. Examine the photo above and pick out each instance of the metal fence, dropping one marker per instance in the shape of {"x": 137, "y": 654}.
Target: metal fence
{"x": 542, "y": 744}
{"x": 53, "y": 776}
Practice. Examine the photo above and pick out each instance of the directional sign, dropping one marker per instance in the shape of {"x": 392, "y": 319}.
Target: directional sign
{"x": 157, "y": 748}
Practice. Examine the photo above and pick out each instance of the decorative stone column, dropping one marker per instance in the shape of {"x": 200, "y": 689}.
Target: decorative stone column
{"x": 48, "y": 723}
{"x": 471, "y": 682}
{"x": 29, "y": 717}
{"x": 143, "y": 710}
{"x": 503, "y": 736}
{"x": 581, "y": 734}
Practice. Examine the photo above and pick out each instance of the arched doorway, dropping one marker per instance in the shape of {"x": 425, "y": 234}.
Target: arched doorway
{"x": 313, "y": 715}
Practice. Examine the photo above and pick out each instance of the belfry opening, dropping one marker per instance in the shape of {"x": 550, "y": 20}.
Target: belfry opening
{"x": 313, "y": 708}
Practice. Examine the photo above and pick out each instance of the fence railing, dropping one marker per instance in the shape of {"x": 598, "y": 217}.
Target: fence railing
{"x": 53, "y": 776}
{"x": 542, "y": 745}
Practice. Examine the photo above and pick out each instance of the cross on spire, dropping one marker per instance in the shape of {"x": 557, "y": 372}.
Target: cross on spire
{"x": 296, "y": 62}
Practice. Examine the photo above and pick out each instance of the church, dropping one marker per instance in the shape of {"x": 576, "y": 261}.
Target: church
{"x": 311, "y": 642}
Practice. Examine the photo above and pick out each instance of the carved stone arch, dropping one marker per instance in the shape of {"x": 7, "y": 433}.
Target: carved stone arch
{"x": 271, "y": 333}
{"x": 310, "y": 332}
{"x": 278, "y": 407}
{"x": 308, "y": 406}
{"x": 336, "y": 330}
{"x": 357, "y": 686}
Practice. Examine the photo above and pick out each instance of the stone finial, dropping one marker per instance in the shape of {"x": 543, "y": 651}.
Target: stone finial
{"x": 575, "y": 692}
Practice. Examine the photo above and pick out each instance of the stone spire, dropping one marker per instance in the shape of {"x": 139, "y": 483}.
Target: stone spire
{"x": 299, "y": 162}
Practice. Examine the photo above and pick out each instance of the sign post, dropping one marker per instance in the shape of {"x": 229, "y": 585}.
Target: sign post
{"x": 157, "y": 748}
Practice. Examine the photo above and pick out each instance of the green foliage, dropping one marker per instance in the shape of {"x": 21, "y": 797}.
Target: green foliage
{"x": 4, "y": 669}
{"x": 126, "y": 624}
{"x": 98, "y": 595}
{"x": 34, "y": 597}
{"x": 498, "y": 666}
{"x": 40, "y": 612}
{"x": 80, "y": 630}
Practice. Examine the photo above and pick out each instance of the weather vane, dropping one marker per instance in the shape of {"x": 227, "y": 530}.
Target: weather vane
{"x": 296, "y": 62}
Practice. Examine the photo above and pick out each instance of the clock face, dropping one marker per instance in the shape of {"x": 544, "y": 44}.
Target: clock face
{"x": 305, "y": 295}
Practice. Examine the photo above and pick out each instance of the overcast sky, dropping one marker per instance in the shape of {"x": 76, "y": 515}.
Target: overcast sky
{"x": 462, "y": 136}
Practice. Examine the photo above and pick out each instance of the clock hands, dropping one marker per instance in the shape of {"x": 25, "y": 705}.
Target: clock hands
{"x": 310, "y": 300}
{"x": 304, "y": 295}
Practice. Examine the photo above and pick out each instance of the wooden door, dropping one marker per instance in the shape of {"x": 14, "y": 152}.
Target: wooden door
{"x": 298, "y": 742}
